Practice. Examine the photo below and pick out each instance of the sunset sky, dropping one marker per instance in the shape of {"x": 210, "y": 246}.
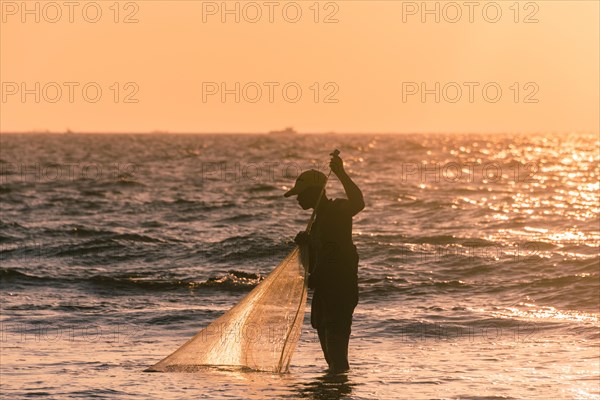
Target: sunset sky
{"x": 369, "y": 67}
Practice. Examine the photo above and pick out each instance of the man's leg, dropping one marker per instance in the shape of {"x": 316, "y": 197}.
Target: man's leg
{"x": 322, "y": 331}
{"x": 338, "y": 337}
{"x": 318, "y": 320}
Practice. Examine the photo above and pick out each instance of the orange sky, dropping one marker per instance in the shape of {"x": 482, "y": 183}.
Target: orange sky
{"x": 370, "y": 58}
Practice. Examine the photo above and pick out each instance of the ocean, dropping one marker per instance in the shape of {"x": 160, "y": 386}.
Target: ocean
{"x": 478, "y": 277}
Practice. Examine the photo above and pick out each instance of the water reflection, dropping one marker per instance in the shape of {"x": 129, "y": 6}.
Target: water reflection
{"x": 327, "y": 386}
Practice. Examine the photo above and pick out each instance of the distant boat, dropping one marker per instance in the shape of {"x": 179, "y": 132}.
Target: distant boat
{"x": 286, "y": 131}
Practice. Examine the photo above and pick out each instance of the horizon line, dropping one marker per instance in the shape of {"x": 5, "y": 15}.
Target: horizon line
{"x": 161, "y": 132}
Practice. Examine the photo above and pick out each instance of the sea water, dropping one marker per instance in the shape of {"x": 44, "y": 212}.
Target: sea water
{"x": 478, "y": 262}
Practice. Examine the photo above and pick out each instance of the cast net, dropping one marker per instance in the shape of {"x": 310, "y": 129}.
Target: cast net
{"x": 260, "y": 332}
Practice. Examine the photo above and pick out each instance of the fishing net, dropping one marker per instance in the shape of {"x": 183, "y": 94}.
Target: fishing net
{"x": 260, "y": 332}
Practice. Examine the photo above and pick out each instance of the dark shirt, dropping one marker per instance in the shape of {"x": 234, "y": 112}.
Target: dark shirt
{"x": 333, "y": 256}
{"x": 333, "y": 267}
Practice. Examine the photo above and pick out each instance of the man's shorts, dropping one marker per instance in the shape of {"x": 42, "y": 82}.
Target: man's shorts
{"x": 333, "y": 310}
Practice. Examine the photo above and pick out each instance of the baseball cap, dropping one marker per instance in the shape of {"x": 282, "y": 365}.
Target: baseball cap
{"x": 310, "y": 178}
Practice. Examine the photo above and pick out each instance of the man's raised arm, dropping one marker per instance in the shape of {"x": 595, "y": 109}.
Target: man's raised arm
{"x": 355, "y": 202}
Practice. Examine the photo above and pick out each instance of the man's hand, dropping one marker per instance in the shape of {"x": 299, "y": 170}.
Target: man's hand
{"x": 336, "y": 164}
{"x": 302, "y": 238}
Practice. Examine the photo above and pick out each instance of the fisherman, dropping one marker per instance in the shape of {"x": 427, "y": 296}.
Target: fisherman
{"x": 333, "y": 259}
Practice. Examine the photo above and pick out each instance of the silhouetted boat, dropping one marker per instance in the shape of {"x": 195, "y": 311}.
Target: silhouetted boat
{"x": 286, "y": 131}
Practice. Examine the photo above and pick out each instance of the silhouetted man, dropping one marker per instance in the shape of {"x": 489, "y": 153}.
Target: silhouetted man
{"x": 333, "y": 259}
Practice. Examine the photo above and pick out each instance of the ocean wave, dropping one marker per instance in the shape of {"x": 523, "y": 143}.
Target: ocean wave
{"x": 75, "y": 247}
{"x": 246, "y": 248}
{"x": 233, "y": 280}
{"x": 262, "y": 188}
{"x": 468, "y": 327}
